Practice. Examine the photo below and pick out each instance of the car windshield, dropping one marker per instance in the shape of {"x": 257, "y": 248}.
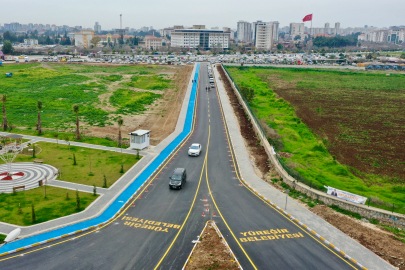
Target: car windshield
{"x": 176, "y": 177}
{"x": 194, "y": 147}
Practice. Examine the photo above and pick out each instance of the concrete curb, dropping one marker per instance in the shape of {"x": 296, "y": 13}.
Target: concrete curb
{"x": 273, "y": 205}
{"x": 126, "y": 204}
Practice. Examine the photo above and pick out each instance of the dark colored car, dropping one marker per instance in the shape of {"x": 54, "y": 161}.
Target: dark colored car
{"x": 178, "y": 178}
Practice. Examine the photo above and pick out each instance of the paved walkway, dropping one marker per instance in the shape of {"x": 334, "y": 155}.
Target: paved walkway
{"x": 107, "y": 195}
{"x": 330, "y": 233}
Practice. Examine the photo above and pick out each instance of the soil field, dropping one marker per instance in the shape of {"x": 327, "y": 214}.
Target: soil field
{"x": 211, "y": 253}
{"x": 385, "y": 241}
{"x": 336, "y": 128}
{"x": 143, "y": 95}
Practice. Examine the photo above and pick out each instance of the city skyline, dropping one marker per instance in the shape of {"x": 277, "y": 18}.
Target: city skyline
{"x": 179, "y": 12}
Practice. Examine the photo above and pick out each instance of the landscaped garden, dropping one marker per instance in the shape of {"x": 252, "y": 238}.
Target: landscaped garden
{"x": 82, "y": 165}
{"x": 18, "y": 208}
{"x": 335, "y": 128}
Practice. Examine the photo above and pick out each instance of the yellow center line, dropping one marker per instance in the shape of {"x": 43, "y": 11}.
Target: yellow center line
{"x": 129, "y": 205}
{"x": 219, "y": 212}
{"x": 237, "y": 174}
{"x": 192, "y": 205}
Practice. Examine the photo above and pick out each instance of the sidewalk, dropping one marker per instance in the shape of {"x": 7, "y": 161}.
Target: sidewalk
{"x": 107, "y": 195}
{"x": 330, "y": 233}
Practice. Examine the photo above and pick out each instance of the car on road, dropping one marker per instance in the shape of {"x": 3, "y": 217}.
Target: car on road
{"x": 195, "y": 149}
{"x": 178, "y": 178}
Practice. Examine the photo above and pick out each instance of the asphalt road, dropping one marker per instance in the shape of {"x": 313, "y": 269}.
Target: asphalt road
{"x": 157, "y": 232}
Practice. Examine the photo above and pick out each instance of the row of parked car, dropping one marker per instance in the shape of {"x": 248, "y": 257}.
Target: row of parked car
{"x": 386, "y": 67}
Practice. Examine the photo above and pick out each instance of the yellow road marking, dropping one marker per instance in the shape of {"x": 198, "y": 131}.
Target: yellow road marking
{"x": 192, "y": 205}
{"x": 129, "y": 204}
{"x": 244, "y": 184}
{"x": 219, "y": 212}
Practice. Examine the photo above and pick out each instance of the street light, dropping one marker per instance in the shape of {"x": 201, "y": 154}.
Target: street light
{"x": 286, "y": 196}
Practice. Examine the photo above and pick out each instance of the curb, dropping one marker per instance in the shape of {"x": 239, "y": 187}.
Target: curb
{"x": 126, "y": 204}
{"x": 241, "y": 179}
{"x": 220, "y": 236}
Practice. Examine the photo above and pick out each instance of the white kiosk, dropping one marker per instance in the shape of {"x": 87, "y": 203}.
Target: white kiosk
{"x": 139, "y": 139}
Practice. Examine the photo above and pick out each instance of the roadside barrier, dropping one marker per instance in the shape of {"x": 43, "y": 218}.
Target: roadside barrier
{"x": 122, "y": 201}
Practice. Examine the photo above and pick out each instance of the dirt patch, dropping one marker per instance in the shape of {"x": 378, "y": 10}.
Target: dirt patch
{"x": 160, "y": 117}
{"x": 256, "y": 151}
{"x": 381, "y": 242}
{"x": 211, "y": 253}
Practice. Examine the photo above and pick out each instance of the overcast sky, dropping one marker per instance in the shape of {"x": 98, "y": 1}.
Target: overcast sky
{"x": 221, "y": 13}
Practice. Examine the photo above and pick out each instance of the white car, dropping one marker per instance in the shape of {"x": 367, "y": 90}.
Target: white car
{"x": 194, "y": 150}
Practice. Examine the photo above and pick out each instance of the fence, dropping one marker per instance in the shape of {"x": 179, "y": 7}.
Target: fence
{"x": 294, "y": 174}
{"x": 374, "y": 208}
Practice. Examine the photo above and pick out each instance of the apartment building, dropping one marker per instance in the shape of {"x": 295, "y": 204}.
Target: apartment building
{"x": 263, "y": 35}
{"x": 199, "y": 37}
{"x": 244, "y": 32}
{"x": 297, "y": 29}
{"x": 83, "y": 38}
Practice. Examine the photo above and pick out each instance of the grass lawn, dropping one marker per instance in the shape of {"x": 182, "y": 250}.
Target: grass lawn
{"x": 2, "y": 237}
{"x": 102, "y": 162}
{"x": 130, "y": 101}
{"x": 149, "y": 82}
{"x": 341, "y": 129}
{"x": 135, "y": 69}
{"x": 54, "y": 206}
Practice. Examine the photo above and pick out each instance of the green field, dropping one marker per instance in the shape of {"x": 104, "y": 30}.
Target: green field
{"x": 55, "y": 205}
{"x": 59, "y": 86}
{"x": 103, "y": 162}
{"x": 149, "y": 82}
{"x": 132, "y": 102}
{"x": 340, "y": 129}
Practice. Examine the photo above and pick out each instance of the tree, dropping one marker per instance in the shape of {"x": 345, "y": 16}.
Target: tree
{"x": 279, "y": 46}
{"x": 4, "y": 99}
{"x": 120, "y": 122}
{"x": 403, "y": 56}
{"x": 56, "y": 136}
{"x": 39, "y": 107}
{"x": 298, "y": 37}
{"x": 76, "y": 111}
{"x": 7, "y": 47}
{"x": 105, "y": 182}
{"x": 94, "y": 190}
{"x": 77, "y": 200}
{"x": 94, "y": 41}
{"x": 33, "y": 216}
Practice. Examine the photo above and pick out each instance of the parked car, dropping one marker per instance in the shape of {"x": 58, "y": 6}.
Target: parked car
{"x": 195, "y": 149}
{"x": 178, "y": 178}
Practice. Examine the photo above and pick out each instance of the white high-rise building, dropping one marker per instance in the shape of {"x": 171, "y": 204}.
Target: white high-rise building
{"x": 244, "y": 31}
{"x": 263, "y": 35}
{"x": 297, "y": 29}
{"x": 199, "y": 37}
{"x": 97, "y": 27}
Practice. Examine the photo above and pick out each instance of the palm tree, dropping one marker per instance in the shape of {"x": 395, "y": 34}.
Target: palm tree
{"x": 120, "y": 122}
{"x": 39, "y": 107}
{"x": 4, "y": 99}
{"x": 76, "y": 111}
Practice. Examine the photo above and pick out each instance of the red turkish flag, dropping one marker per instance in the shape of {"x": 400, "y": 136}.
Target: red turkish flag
{"x": 307, "y": 18}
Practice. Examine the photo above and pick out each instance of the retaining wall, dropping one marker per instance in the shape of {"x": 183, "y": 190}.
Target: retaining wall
{"x": 395, "y": 219}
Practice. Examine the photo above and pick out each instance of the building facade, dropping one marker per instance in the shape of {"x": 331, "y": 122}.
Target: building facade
{"x": 244, "y": 32}
{"x": 199, "y": 37}
{"x": 97, "y": 27}
{"x": 297, "y": 29}
{"x": 263, "y": 35}
{"x": 83, "y": 38}
{"x": 152, "y": 42}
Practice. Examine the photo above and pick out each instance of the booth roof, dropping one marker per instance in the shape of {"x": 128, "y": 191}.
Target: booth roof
{"x": 139, "y": 132}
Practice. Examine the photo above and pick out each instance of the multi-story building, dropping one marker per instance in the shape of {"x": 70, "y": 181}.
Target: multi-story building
{"x": 297, "y": 29}
{"x": 166, "y": 31}
{"x": 30, "y": 42}
{"x": 83, "y": 38}
{"x": 199, "y": 37}
{"x": 337, "y": 28}
{"x": 263, "y": 35}
{"x": 97, "y": 27}
{"x": 244, "y": 32}
{"x": 152, "y": 42}
{"x": 275, "y": 30}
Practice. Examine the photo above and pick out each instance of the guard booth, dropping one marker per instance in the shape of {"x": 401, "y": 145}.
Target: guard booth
{"x": 139, "y": 139}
